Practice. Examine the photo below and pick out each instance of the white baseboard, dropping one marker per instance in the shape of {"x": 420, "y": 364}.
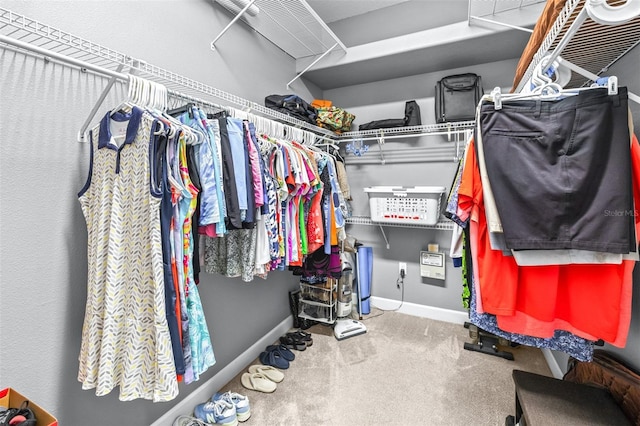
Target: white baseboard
{"x": 552, "y": 363}
{"x": 224, "y": 376}
{"x": 423, "y": 311}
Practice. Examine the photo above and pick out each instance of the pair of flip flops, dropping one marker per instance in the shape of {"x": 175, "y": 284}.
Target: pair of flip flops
{"x": 262, "y": 378}
{"x": 298, "y": 340}
{"x": 277, "y": 356}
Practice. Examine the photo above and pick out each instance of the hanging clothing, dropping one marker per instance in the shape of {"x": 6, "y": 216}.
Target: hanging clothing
{"x": 234, "y": 216}
{"x": 172, "y": 302}
{"x": 553, "y": 177}
{"x": 199, "y": 340}
{"x": 125, "y": 336}
{"x": 180, "y": 202}
{"x": 508, "y": 290}
{"x": 232, "y": 255}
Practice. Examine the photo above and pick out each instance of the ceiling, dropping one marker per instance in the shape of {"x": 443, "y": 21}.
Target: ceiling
{"x": 387, "y": 39}
{"x": 331, "y": 11}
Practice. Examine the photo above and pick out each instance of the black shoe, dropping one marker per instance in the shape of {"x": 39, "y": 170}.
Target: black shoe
{"x": 28, "y": 418}
{"x": 293, "y": 343}
{"x": 302, "y": 335}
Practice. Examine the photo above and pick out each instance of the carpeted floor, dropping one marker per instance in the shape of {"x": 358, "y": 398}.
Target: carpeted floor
{"x": 404, "y": 371}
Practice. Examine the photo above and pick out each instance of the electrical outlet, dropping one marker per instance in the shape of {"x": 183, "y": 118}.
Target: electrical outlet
{"x": 402, "y": 266}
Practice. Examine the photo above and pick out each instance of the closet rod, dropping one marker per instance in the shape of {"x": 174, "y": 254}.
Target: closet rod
{"x": 46, "y": 54}
{"x": 39, "y": 34}
{"x": 408, "y": 135}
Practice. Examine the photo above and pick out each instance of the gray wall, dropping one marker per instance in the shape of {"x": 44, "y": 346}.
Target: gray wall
{"x": 386, "y": 99}
{"x": 42, "y": 230}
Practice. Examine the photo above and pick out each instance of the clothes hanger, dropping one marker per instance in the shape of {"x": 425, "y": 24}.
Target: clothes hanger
{"x": 126, "y": 106}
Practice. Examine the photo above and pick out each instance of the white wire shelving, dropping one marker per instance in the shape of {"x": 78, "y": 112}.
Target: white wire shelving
{"x": 292, "y": 25}
{"x": 366, "y": 220}
{"x": 408, "y": 131}
{"x": 29, "y": 35}
{"x": 592, "y": 47}
{"x": 460, "y": 131}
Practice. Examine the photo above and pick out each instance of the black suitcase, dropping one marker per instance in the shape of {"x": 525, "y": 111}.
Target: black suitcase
{"x": 457, "y": 97}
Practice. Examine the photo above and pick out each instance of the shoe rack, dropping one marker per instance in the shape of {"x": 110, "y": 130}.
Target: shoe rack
{"x": 318, "y": 302}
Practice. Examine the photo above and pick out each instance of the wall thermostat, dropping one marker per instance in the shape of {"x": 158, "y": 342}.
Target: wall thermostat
{"x": 432, "y": 265}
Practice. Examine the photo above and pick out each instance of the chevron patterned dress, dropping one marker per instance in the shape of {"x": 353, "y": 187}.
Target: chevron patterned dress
{"x": 125, "y": 337}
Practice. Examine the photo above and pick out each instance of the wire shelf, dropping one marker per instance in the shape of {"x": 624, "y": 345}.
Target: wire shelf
{"x": 366, "y": 220}
{"x": 425, "y": 128}
{"x": 593, "y": 47}
{"x": 44, "y": 36}
{"x": 292, "y": 25}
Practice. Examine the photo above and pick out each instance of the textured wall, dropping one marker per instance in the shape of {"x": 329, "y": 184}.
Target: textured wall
{"x": 42, "y": 167}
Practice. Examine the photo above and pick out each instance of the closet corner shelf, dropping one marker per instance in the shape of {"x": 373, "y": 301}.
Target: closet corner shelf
{"x": 366, "y": 220}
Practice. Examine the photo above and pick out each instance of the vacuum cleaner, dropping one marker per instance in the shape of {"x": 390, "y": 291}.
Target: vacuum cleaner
{"x": 346, "y": 327}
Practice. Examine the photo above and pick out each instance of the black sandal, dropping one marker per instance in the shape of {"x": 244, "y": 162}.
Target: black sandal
{"x": 302, "y": 336}
{"x": 292, "y": 343}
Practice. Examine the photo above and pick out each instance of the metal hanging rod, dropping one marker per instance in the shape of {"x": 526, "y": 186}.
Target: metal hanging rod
{"x": 116, "y": 75}
{"x": 407, "y": 135}
{"x": 31, "y": 35}
{"x": 408, "y": 131}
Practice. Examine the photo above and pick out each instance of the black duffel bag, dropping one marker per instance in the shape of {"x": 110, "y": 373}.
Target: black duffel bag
{"x": 411, "y": 118}
{"x": 293, "y": 106}
{"x": 382, "y": 124}
{"x": 457, "y": 97}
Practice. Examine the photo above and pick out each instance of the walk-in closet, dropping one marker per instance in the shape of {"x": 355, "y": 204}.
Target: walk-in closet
{"x": 319, "y": 212}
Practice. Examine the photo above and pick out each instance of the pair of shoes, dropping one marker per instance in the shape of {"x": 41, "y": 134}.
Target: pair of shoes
{"x": 225, "y": 409}
{"x": 284, "y": 351}
{"x": 241, "y": 402}
{"x": 303, "y": 335}
{"x": 262, "y": 378}
{"x": 259, "y": 381}
{"x": 22, "y": 416}
{"x": 298, "y": 340}
{"x": 217, "y": 412}
{"x": 267, "y": 371}
{"x": 278, "y": 356}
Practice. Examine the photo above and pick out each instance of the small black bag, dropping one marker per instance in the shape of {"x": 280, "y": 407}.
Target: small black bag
{"x": 457, "y": 97}
{"x": 411, "y": 118}
{"x": 293, "y": 106}
{"x": 412, "y": 114}
{"x": 382, "y": 124}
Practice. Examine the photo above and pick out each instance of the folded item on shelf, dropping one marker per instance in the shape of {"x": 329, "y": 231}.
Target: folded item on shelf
{"x": 292, "y": 105}
{"x": 411, "y": 118}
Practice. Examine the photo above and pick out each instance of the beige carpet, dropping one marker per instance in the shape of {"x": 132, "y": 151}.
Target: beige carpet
{"x": 404, "y": 371}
